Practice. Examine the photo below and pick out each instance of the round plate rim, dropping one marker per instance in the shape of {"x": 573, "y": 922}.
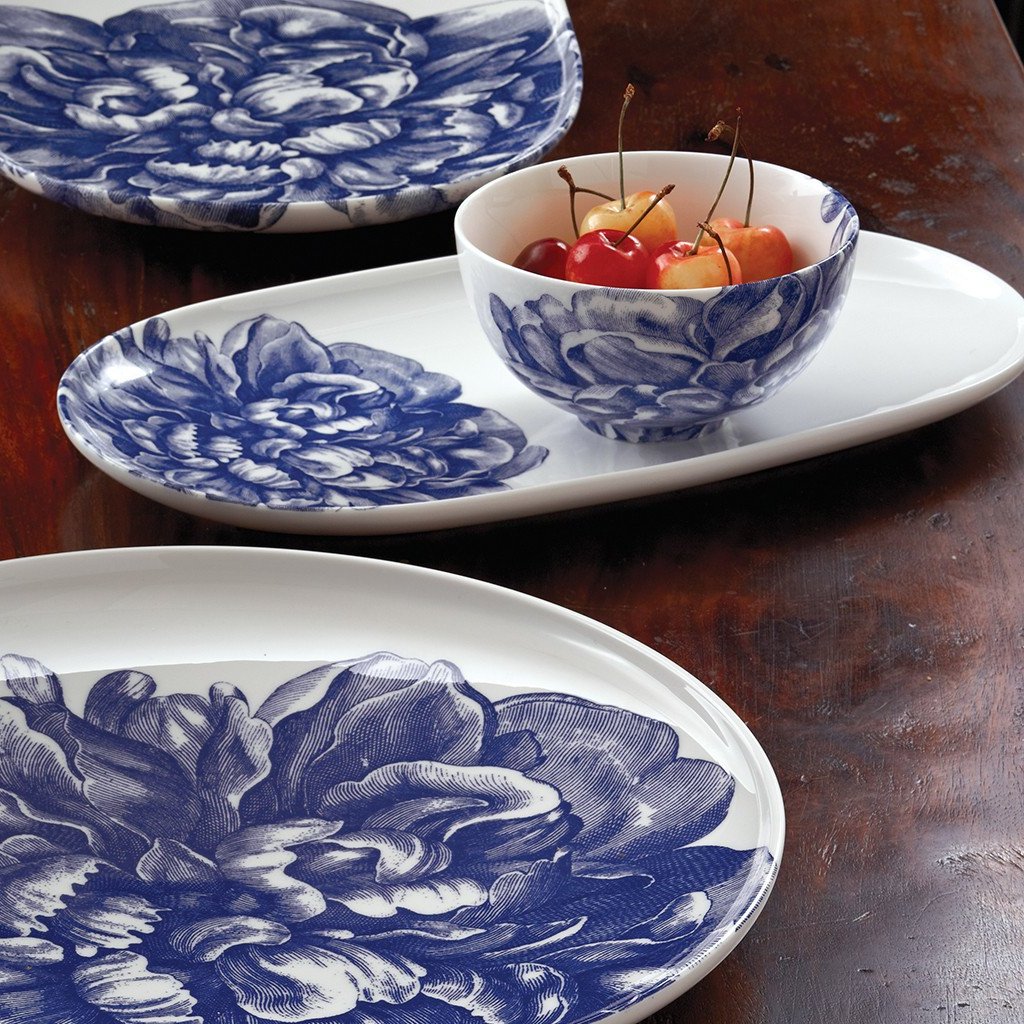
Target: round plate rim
{"x": 318, "y": 215}
{"x": 50, "y": 568}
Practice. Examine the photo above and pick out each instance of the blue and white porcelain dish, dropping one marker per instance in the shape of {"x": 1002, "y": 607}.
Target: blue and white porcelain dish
{"x": 650, "y": 364}
{"x": 305, "y": 115}
{"x": 374, "y": 808}
{"x": 192, "y": 425}
{"x": 267, "y": 415}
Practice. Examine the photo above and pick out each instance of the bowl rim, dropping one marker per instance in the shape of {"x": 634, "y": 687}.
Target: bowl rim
{"x": 464, "y": 245}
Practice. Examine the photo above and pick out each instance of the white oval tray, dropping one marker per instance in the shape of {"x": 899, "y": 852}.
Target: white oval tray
{"x": 457, "y": 440}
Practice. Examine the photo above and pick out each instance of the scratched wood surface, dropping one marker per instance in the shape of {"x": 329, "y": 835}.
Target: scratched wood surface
{"x": 862, "y": 612}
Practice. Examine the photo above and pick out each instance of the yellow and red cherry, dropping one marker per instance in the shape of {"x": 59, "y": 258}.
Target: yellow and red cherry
{"x": 718, "y": 224}
{"x": 763, "y": 250}
{"x": 682, "y": 265}
{"x": 691, "y": 265}
{"x": 658, "y": 227}
{"x": 546, "y": 256}
{"x": 646, "y": 214}
{"x": 610, "y": 258}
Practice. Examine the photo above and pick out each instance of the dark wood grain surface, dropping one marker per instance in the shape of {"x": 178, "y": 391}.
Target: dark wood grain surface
{"x": 862, "y": 612}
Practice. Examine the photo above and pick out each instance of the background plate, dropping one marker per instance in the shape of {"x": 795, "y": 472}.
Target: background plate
{"x": 221, "y": 423}
{"x": 297, "y": 784}
{"x": 309, "y": 115}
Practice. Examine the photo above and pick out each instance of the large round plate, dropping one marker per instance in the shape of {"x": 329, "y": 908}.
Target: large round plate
{"x": 307, "y": 115}
{"x": 246, "y": 785}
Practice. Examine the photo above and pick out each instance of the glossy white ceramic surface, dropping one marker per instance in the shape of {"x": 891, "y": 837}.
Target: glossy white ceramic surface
{"x": 224, "y": 700}
{"x": 646, "y": 364}
{"x": 925, "y": 334}
{"x": 313, "y": 115}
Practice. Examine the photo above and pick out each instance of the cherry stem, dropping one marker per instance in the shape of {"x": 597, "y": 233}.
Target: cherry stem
{"x": 725, "y": 181}
{"x": 717, "y": 132}
{"x": 650, "y": 206}
{"x": 626, "y": 97}
{"x": 574, "y": 190}
{"x": 721, "y": 247}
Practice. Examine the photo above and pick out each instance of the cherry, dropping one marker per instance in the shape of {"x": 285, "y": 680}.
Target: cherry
{"x": 659, "y": 219}
{"x": 763, "y": 250}
{"x": 682, "y": 265}
{"x": 657, "y": 228}
{"x": 546, "y": 256}
{"x": 593, "y": 266}
{"x": 691, "y": 265}
{"x": 607, "y": 257}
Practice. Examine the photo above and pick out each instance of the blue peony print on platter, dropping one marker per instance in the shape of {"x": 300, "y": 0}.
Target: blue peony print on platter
{"x": 302, "y": 116}
{"x": 244, "y": 785}
{"x": 268, "y": 417}
{"x": 375, "y": 841}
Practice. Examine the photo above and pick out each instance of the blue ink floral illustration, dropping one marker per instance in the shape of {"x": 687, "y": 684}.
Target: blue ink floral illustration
{"x": 377, "y": 842}
{"x": 643, "y": 365}
{"x": 218, "y": 114}
{"x": 270, "y": 416}
{"x": 836, "y": 207}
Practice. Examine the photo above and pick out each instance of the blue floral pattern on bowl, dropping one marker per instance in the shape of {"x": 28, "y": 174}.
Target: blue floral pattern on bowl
{"x": 376, "y": 842}
{"x": 223, "y": 114}
{"x": 690, "y": 362}
{"x": 836, "y": 207}
{"x": 270, "y": 416}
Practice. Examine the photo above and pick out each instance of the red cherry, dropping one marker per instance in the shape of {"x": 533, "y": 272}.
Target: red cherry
{"x": 607, "y": 257}
{"x": 546, "y": 256}
{"x": 678, "y": 265}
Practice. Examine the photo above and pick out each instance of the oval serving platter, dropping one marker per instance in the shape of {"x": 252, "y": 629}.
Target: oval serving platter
{"x": 308, "y": 115}
{"x": 372, "y": 403}
{"x": 376, "y": 806}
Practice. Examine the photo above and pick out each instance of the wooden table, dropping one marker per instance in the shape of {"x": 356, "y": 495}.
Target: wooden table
{"x": 862, "y": 612}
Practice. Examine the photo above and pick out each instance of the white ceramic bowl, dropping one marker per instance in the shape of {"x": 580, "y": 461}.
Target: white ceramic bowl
{"x": 642, "y": 365}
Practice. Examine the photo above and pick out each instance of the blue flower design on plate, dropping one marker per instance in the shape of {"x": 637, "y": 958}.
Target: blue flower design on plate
{"x": 639, "y": 365}
{"x": 270, "y": 416}
{"x": 223, "y": 114}
{"x": 377, "y": 843}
